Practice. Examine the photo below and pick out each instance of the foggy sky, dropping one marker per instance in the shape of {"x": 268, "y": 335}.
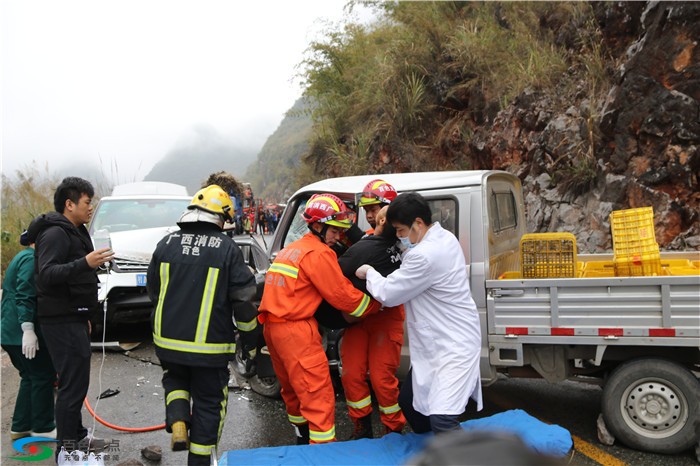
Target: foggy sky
{"x": 90, "y": 81}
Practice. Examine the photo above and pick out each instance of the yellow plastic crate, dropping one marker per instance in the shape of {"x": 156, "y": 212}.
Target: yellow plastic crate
{"x": 598, "y": 273}
{"x": 509, "y": 275}
{"x": 548, "y": 255}
{"x": 638, "y": 265}
{"x": 674, "y": 263}
{"x": 597, "y": 269}
{"x": 636, "y": 252}
{"x": 680, "y": 267}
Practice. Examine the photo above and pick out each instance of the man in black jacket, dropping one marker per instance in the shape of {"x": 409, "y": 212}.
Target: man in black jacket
{"x": 66, "y": 290}
{"x": 373, "y": 344}
{"x": 198, "y": 281}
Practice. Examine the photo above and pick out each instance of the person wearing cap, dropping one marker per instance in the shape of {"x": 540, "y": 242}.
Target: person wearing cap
{"x": 199, "y": 283}
{"x": 303, "y": 274}
{"x": 24, "y": 343}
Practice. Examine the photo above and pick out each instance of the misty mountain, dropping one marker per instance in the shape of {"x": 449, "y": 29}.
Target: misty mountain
{"x": 274, "y": 174}
{"x": 207, "y": 151}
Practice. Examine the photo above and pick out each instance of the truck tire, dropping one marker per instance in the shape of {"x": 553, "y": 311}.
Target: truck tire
{"x": 265, "y": 386}
{"x": 652, "y": 405}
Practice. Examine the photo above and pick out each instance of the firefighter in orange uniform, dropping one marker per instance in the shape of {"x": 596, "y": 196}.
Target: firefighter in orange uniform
{"x": 375, "y": 195}
{"x": 303, "y": 274}
{"x": 374, "y": 343}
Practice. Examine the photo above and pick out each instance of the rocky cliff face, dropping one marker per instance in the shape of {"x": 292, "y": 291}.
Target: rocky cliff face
{"x": 638, "y": 144}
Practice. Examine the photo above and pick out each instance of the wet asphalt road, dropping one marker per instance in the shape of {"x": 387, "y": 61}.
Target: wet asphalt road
{"x": 254, "y": 421}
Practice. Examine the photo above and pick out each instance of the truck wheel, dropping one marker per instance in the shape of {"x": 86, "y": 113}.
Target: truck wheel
{"x": 265, "y": 386}
{"x": 652, "y": 405}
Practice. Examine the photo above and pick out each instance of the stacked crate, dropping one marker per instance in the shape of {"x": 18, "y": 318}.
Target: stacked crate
{"x": 548, "y": 255}
{"x": 636, "y": 252}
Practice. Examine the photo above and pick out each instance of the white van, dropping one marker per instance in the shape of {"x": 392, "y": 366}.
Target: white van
{"x": 137, "y": 216}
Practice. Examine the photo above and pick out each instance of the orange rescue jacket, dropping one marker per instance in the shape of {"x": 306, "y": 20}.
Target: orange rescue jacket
{"x": 303, "y": 274}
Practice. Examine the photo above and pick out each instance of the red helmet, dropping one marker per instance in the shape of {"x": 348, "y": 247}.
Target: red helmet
{"x": 328, "y": 209}
{"x": 377, "y": 192}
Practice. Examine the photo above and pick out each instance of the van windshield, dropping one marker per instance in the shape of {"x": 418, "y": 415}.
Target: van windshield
{"x": 135, "y": 214}
{"x": 443, "y": 210}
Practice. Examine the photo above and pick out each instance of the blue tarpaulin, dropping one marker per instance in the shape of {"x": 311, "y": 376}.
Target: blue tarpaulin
{"x": 395, "y": 449}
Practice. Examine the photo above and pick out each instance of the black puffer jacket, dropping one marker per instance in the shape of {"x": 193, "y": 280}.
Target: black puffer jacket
{"x": 66, "y": 286}
{"x": 379, "y": 252}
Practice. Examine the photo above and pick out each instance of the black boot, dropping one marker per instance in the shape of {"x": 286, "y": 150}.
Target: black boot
{"x": 388, "y": 430}
{"x": 363, "y": 428}
{"x": 302, "y": 433}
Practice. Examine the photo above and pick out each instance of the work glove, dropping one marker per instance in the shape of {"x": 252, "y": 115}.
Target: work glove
{"x": 250, "y": 365}
{"x": 362, "y": 270}
{"x": 248, "y": 356}
{"x": 30, "y": 342}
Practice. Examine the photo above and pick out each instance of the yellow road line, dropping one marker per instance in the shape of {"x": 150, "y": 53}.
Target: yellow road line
{"x": 595, "y": 453}
{"x": 580, "y": 445}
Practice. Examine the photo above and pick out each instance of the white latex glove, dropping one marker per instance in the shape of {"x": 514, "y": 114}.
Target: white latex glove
{"x": 30, "y": 342}
{"x": 362, "y": 270}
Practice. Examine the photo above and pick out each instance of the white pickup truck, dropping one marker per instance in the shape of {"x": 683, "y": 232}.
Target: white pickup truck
{"x": 638, "y": 337}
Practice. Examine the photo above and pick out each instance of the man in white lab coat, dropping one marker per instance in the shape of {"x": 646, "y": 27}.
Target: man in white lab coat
{"x": 441, "y": 317}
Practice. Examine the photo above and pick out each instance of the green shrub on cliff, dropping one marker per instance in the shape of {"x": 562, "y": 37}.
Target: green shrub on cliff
{"x": 399, "y": 84}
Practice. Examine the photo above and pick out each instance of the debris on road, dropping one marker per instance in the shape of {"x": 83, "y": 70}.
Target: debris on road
{"x": 152, "y": 453}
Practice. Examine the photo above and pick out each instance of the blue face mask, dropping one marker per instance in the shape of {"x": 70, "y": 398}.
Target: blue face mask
{"x": 405, "y": 242}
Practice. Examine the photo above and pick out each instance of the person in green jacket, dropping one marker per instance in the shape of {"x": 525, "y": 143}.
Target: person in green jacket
{"x": 20, "y": 337}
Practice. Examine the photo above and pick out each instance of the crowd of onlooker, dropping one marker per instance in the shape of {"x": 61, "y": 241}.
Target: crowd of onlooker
{"x": 262, "y": 221}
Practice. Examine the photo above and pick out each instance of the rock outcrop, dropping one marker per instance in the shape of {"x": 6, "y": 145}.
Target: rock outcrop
{"x": 638, "y": 145}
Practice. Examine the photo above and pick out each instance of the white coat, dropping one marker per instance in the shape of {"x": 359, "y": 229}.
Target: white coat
{"x": 442, "y": 321}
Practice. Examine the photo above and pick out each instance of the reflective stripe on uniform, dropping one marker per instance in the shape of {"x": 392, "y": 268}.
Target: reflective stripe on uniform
{"x": 296, "y": 419}
{"x": 164, "y": 279}
{"x": 190, "y": 347}
{"x": 206, "y": 306}
{"x": 364, "y": 402}
{"x": 198, "y": 449}
{"x": 177, "y": 395}
{"x": 222, "y": 413}
{"x": 247, "y": 326}
{"x": 390, "y": 409}
{"x": 362, "y": 307}
{"x": 319, "y": 437}
{"x": 284, "y": 269}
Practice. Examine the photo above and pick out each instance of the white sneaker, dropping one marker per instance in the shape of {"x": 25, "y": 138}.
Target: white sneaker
{"x": 50, "y": 434}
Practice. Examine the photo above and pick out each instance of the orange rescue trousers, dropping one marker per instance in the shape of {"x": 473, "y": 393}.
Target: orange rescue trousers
{"x": 374, "y": 344}
{"x": 302, "y": 369}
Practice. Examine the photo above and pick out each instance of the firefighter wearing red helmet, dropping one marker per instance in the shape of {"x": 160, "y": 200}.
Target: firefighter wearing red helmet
{"x": 303, "y": 274}
{"x": 374, "y": 343}
{"x": 375, "y": 195}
